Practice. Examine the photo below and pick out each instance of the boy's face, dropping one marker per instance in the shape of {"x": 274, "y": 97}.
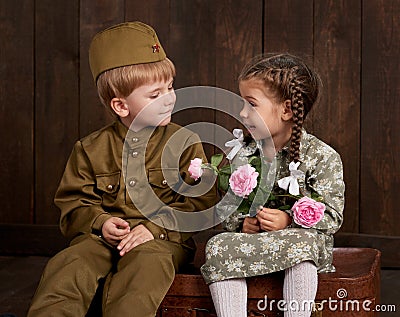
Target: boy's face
{"x": 150, "y": 105}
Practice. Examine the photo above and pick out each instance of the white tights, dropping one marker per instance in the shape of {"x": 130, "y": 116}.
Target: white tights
{"x": 300, "y": 285}
{"x": 230, "y": 297}
{"x": 299, "y": 289}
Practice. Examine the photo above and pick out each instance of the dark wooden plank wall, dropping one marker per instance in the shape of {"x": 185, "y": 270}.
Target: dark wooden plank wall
{"x": 337, "y": 119}
{"x": 48, "y": 99}
{"x": 17, "y": 75}
{"x": 380, "y": 117}
{"x": 56, "y": 96}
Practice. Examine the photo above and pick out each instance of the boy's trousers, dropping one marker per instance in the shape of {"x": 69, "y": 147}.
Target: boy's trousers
{"x": 140, "y": 279}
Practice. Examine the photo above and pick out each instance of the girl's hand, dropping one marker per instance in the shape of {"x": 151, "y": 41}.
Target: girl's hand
{"x": 251, "y": 225}
{"x": 140, "y": 234}
{"x": 114, "y": 230}
{"x": 273, "y": 219}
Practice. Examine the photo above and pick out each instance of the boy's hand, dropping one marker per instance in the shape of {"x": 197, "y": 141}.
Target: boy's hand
{"x": 140, "y": 234}
{"x": 273, "y": 219}
{"x": 114, "y": 230}
{"x": 251, "y": 225}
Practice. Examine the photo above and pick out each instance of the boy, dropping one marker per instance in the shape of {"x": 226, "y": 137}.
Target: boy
{"x": 99, "y": 203}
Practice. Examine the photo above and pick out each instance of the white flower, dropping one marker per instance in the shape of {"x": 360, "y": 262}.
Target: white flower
{"x": 257, "y": 266}
{"x": 246, "y": 248}
{"x": 234, "y": 265}
{"x": 215, "y": 249}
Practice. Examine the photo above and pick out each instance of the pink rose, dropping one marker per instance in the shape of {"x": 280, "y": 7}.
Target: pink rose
{"x": 243, "y": 180}
{"x": 307, "y": 212}
{"x": 195, "y": 169}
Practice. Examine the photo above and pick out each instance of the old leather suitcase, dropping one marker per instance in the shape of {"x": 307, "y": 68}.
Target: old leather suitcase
{"x": 353, "y": 290}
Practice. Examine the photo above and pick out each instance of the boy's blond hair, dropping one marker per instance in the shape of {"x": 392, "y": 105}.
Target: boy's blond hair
{"x": 120, "y": 82}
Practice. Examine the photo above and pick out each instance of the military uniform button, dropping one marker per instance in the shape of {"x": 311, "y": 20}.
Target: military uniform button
{"x": 134, "y": 154}
{"x": 110, "y": 187}
{"x": 162, "y": 236}
{"x": 135, "y": 140}
{"x": 164, "y": 182}
{"x": 132, "y": 183}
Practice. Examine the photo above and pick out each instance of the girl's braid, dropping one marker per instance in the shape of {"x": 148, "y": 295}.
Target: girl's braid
{"x": 297, "y": 104}
{"x": 287, "y": 86}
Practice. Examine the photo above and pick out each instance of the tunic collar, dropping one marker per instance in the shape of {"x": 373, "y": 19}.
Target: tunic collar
{"x": 138, "y": 138}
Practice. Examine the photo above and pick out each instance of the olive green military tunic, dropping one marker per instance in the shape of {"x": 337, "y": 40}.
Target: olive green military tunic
{"x": 91, "y": 191}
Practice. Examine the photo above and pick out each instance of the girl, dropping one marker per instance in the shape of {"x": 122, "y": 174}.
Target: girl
{"x": 280, "y": 91}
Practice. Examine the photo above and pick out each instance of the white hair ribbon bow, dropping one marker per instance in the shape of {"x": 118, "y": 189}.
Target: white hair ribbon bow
{"x": 291, "y": 181}
{"x": 236, "y": 144}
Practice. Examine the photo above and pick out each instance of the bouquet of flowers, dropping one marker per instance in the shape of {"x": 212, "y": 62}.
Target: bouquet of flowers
{"x": 244, "y": 182}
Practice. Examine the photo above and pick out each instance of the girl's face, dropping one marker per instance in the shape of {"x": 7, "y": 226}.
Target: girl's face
{"x": 262, "y": 115}
{"x": 150, "y": 105}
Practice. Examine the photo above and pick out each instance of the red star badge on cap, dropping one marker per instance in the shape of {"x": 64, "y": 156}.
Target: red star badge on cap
{"x": 156, "y": 48}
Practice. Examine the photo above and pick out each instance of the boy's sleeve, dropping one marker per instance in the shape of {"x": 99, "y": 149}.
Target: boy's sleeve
{"x": 76, "y": 192}
{"x": 327, "y": 181}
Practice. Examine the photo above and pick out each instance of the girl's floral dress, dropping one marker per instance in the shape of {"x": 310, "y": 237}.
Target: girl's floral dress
{"x": 236, "y": 255}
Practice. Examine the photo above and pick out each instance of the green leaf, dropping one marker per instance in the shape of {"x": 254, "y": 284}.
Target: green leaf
{"x": 285, "y": 207}
{"x": 244, "y": 207}
{"x": 254, "y": 160}
{"x": 251, "y": 196}
{"x": 216, "y": 159}
{"x": 223, "y": 181}
{"x": 225, "y": 170}
{"x": 215, "y": 169}
{"x": 317, "y": 197}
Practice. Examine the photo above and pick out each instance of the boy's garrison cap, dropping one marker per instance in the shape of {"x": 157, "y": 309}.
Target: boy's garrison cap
{"x": 124, "y": 44}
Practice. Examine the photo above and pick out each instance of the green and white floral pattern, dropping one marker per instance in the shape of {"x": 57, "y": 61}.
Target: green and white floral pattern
{"x": 234, "y": 254}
